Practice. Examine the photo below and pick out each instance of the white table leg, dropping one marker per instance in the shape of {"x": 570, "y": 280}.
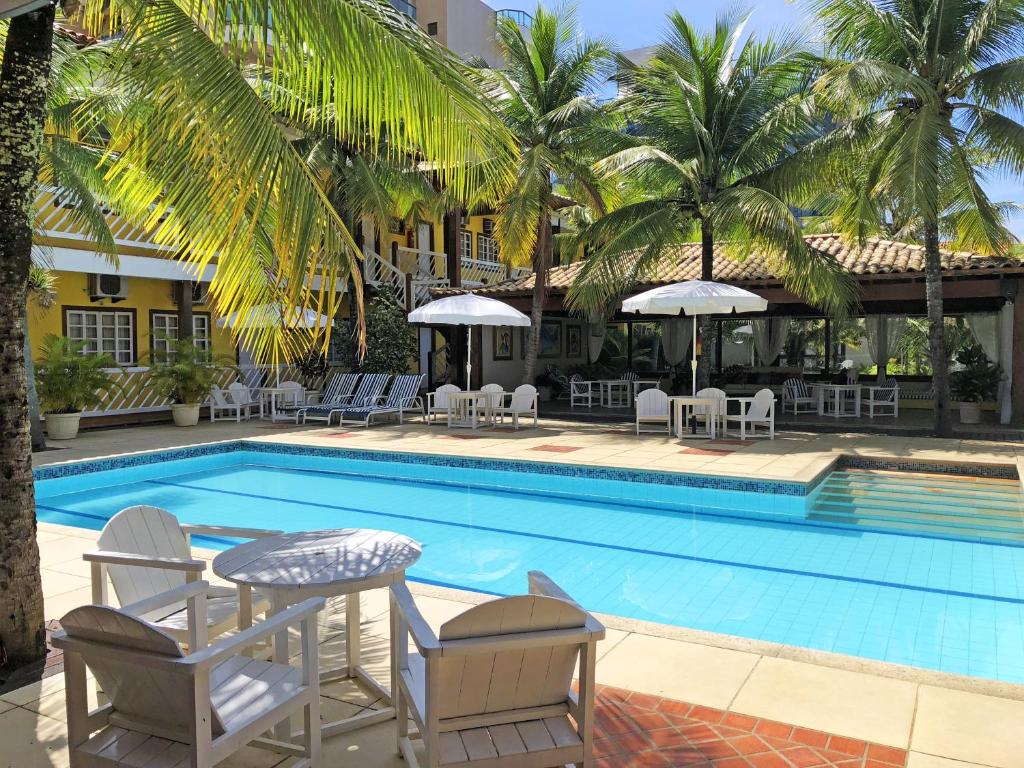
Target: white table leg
{"x": 352, "y": 632}
{"x": 821, "y": 401}
{"x": 278, "y": 603}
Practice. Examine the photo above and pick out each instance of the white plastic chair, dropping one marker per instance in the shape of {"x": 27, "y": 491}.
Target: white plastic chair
{"x": 493, "y": 688}
{"x": 755, "y": 411}
{"x": 700, "y": 411}
{"x": 242, "y": 396}
{"x": 221, "y": 404}
{"x": 522, "y": 404}
{"x": 169, "y": 709}
{"x": 437, "y": 401}
{"x": 795, "y": 393}
{"x": 581, "y": 392}
{"x": 145, "y": 551}
{"x": 652, "y": 407}
{"x": 885, "y": 399}
{"x": 496, "y": 394}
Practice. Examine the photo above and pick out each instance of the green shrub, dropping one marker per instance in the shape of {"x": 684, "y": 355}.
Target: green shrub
{"x": 187, "y": 374}
{"x": 390, "y": 340}
{"x": 67, "y": 380}
{"x": 979, "y": 380}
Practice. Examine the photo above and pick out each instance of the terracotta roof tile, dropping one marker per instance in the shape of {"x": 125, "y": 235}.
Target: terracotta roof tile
{"x": 877, "y": 257}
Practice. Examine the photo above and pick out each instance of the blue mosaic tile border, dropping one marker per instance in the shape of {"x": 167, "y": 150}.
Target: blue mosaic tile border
{"x": 74, "y": 468}
{"x": 678, "y": 479}
{"x": 965, "y": 469}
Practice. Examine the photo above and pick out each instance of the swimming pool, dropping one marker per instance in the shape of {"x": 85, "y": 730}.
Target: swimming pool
{"x": 733, "y": 556}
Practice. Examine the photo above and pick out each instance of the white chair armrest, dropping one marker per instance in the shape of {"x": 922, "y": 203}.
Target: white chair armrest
{"x": 224, "y": 530}
{"x": 170, "y": 597}
{"x": 214, "y": 654}
{"x": 144, "y": 561}
{"x": 421, "y": 632}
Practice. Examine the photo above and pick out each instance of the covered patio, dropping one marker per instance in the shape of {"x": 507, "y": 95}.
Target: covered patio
{"x": 885, "y": 339}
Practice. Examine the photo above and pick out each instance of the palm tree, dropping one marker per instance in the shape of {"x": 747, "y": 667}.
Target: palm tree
{"x": 546, "y": 97}
{"x": 198, "y": 158}
{"x": 712, "y": 117}
{"x": 923, "y": 88}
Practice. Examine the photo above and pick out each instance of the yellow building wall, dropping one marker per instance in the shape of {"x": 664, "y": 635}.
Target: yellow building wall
{"x": 144, "y": 295}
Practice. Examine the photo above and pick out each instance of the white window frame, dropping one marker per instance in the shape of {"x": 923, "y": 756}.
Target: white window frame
{"x": 120, "y": 345}
{"x": 200, "y": 332}
{"x": 487, "y": 249}
{"x": 467, "y": 244}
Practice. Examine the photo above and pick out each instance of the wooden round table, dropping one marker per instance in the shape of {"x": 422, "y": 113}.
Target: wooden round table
{"x": 294, "y": 566}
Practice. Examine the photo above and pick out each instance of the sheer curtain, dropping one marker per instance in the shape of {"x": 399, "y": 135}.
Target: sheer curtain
{"x": 676, "y": 338}
{"x": 769, "y": 338}
{"x": 882, "y": 333}
{"x": 597, "y": 327}
{"x": 984, "y": 327}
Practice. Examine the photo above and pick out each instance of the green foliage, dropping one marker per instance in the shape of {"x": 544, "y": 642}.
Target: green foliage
{"x": 67, "y": 380}
{"x": 390, "y": 340}
{"x": 186, "y": 375}
{"x": 979, "y": 379}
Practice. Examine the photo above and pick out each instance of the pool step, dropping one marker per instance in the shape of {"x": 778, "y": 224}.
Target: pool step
{"x": 990, "y": 509}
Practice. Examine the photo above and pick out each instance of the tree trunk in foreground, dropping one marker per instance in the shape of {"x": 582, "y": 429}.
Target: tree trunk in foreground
{"x": 542, "y": 256}
{"x": 23, "y": 83}
{"x": 707, "y": 328}
{"x": 36, "y": 423}
{"x": 936, "y": 330}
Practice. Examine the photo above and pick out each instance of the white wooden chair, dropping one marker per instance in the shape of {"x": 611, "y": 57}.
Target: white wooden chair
{"x": 581, "y": 392}
{"x": 145, "y": 551}
{"x": 884, "y": 399}
{"x": 241, "y": 395}
{"x": 522, "y": 404}
{"x": 755, "y": 411}
{"x": 795, "y": 393}
{"x": 167, "y": 709}
{"x": 652, "y": 407}
{"x": 437, "y": 401}
{"x": 700, "y": 412}
{"x": 223, "y": 408}
{"x": 492, "y": 689}
{"x": 497, "y": 396}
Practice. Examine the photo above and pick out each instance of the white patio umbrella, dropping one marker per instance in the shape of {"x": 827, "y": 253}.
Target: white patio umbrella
{"x": 468, "y": 309}
{"x": 694, "y": 297}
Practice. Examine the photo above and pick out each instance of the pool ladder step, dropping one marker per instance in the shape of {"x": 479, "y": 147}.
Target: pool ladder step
{"x": 959, "y": 507}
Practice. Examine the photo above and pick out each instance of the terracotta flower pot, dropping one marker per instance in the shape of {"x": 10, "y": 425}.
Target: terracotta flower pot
{"x": 185, "y": 414}
{"x": 62, "y": 426}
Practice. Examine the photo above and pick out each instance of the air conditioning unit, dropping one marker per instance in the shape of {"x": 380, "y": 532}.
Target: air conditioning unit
{"x": 200, "y": 293}
{"x": 489, "y": 227}
{"x": 113, "y": 287}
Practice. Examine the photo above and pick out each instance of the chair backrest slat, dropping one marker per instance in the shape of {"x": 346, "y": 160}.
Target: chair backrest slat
{"x": 403, "y": 390}
{"x": 144, "y": 530}
{"x": 796, "y": 388}
{"x": 441, "y": 394}
{"x": 495, "y": 391}
{"x": 630, "y": 376}
{"x": 761, "y": 405}
{"x": 239, "y": 394}
{"x": 370, "y": 389}
{"x": 699, "y": 410}
{"x": 523, "y": 398}
{"x": 220, "y": 397}
{"x": 155, "y": 700}
{"x": 506, "y": 680}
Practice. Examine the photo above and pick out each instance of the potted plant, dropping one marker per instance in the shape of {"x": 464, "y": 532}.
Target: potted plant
{"x": 975, "y": 383}
{"x": 185, "y": 375}
{"x": 67, "y": 382}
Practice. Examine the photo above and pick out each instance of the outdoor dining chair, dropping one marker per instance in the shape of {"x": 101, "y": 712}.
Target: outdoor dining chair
{"x": 652, "y": 407}
{"x": 755, "y": 411}
{"x": 884, "y": 399}
{"x": 522, "y": 404}
{"x": 795, "y": 393}
{"x": 438, "y": 401}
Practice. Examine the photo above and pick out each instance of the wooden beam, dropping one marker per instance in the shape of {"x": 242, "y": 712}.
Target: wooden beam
{"x": 1017, "y": 387}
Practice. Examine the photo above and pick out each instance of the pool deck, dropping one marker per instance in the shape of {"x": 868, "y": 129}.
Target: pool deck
{"x": 697, "y": 699}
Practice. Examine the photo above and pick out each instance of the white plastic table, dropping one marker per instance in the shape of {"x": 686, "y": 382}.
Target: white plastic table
{"x": 682, "y": 407}
{"x": 839, "y": 396}
{"x": 470, "y": 409}
{"x": 294, "y": 566}
{"x": 614, "y": 393}
{"x": 272, "y": 394}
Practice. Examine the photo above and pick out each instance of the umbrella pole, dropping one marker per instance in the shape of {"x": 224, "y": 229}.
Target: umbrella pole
{"x": 693, "y": 360}
{"x": 469, "y": 357}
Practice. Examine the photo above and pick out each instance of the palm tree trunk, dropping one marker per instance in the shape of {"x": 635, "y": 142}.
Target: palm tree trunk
{"x": 23, "y": 82}
{"x": 35, "y": 423}
{"x": 707, "y": 328}
{"x": 936, "y": 329}
{"x": 542, "y": 257}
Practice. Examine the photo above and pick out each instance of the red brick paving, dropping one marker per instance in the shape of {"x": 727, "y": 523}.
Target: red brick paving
{"x": 634, "y": 730}
{"x": 557, "y": 448}
{"x": 708, "y": 451}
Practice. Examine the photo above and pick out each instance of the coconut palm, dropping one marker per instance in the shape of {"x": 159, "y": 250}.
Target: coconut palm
{"x": 923, "y": 89}
{"x": 198, "y": 158}
{"x": 712, "y": 117}
{"x": 546, "y": 95}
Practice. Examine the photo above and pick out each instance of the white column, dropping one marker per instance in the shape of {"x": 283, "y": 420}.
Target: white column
{"x": 1004, "y": 327}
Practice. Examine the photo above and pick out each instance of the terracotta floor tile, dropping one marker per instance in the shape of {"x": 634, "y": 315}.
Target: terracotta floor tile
{"x": 890, "y": 755}
{"x": 706, "y": 451}
{"x": 557, "y": 448}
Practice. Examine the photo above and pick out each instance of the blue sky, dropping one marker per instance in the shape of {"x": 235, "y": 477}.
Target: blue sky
{"x": 636, "y": 23}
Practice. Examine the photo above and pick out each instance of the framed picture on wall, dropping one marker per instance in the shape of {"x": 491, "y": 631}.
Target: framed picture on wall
{"x": 503, "y": 342}
{"x": 550, "y": 339}
{"x": 574, "y": 341}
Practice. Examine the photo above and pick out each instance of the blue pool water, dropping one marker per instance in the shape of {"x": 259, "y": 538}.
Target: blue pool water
{"x": 742, "y": 562}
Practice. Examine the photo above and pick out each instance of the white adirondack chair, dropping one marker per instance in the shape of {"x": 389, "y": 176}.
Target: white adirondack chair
{"x": 437, "y": 401}
{"x": 493, "y": 687}
{"x": 884, "y": 400}
{"x": 170, "y": 710}
{"x": 581, "y": 392}
{"x": 522, "y": 404}
{"x": 145, "y": 551}
{"x": 795, "y": 394}
{"x": 700, "y": 411}
{"x": 652, "y": 407}
{"x": 240, "y": 394}
{"x": 222, "y": 408}
{"x": 497, "y": 393}
{"x": 754, "y": 411}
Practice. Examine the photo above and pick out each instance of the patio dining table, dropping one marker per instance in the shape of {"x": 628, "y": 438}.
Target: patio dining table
{"x": 292, "y": 567}
{"x": 471, "y": 409}
{"x": 277, "y": 403}
{"x": 683, "y": 407}
{"x": 840, "y": 401}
